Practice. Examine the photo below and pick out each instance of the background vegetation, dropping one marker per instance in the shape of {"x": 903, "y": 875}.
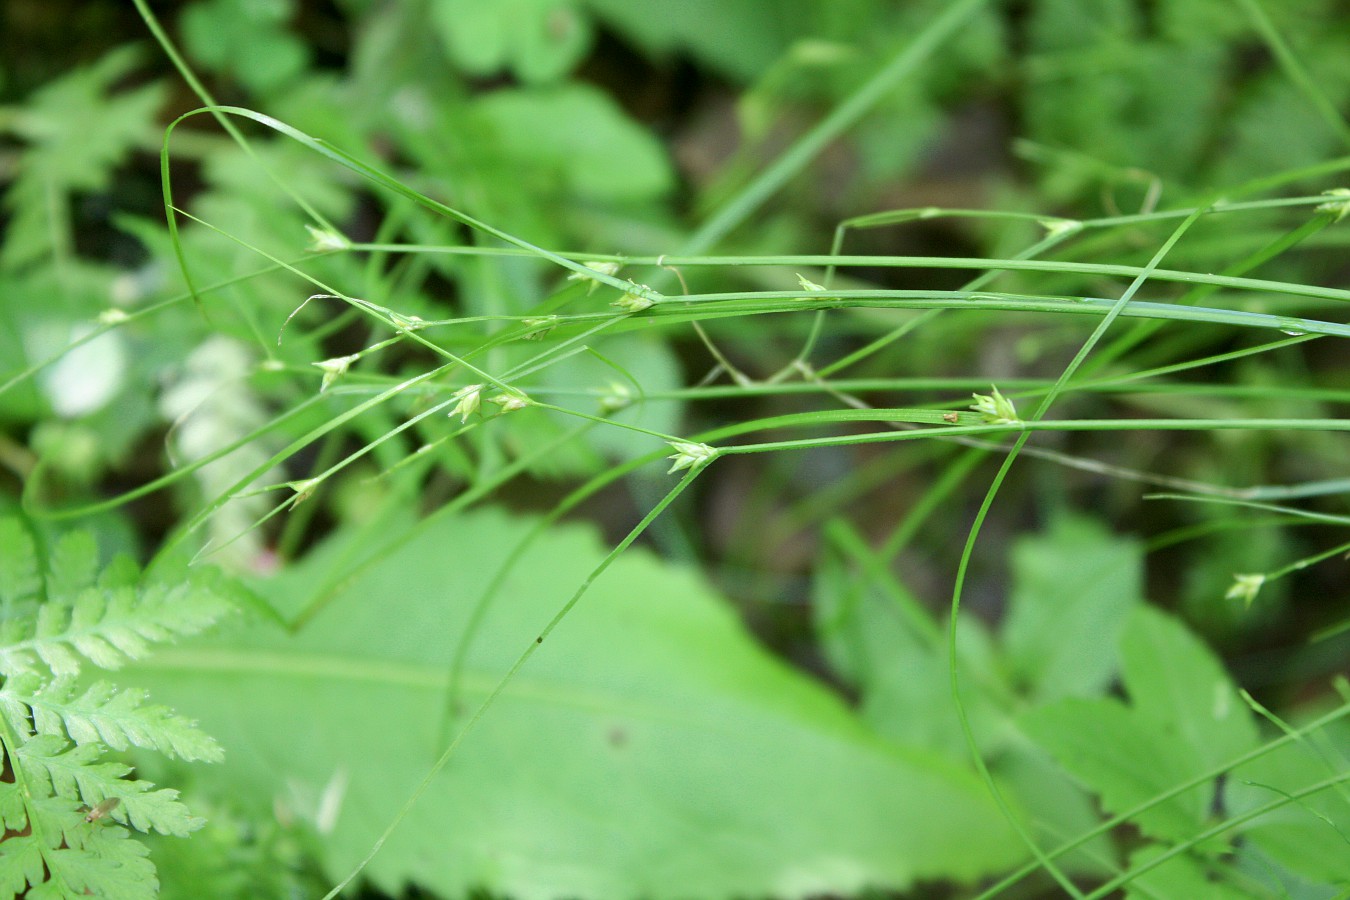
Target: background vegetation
{"x": 355, "y": 463}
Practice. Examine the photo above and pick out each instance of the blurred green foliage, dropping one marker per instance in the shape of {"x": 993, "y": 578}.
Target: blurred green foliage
{"x": 619, "y": 126}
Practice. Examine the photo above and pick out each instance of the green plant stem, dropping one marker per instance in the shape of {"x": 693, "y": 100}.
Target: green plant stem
{"x": 969, "y": 549}
{"x": 293, "y": 531}
{"x": 946, "y": 484}
{"x": 770, "y": 302}
{"x": 1274, "y": 248}
{"x": 1291, "y": 512}
{"x": 1112, "y": 270}
{"x": 459, "y": 655}
{"x": 1027, "y": 427}
{"x": 1214, "y": 831}
{"x": 32, "y": 486}
{"x": 482, "y": 488}
{"x": 1293, "y": 67}
{"x": 851, "y": 545}
{"x": 10, "y": 741}
{"x": 134, "y": 315}
{"x": 371, "y": 174}
{"x": 171, "y": 51}
{"x": 1176, "y": 790}
{"x": 771, "y": 179}
{"x": 506, "y": 679}
{"x": 961, "y": 386}
{"x": 294, "y": 447}
{"x": 1328, "y": 757}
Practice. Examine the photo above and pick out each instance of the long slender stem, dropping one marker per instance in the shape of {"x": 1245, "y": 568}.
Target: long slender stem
{"x": 844, "y": 116}
{"x": 968, "y": 551}
{"x": 506, "y": 679}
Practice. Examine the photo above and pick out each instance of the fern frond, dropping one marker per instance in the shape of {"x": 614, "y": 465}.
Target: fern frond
{"x": 20, "y": 860}
{"x": 61, "y": 855}
{"x": 108, "y": 865}
{"x": 20, "y": 580}
{"x": 72, "y": 564}
{"x": 75, "y": 772}
{"x": 108, "y": 627}
{"x": 53, "y": 731}
{"x": 13, "y": 710}
{"x": 104, "y": 713}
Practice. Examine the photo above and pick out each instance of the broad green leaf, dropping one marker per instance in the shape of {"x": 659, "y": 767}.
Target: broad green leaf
{"x": 1185, "y": 719}
{"x": 247, "y": 39}
{"x": 1273, "y": 123}
{"x": 1178, "y": 686}
{"x": 105, "y": 621}
{"x": 1311, "y": 835}
{"x": 109, "y": 627}
{"x": 20, "y": 573}
{"x": 879, "y": 638}
{"x": 1111, "y": 749}
{"x": 72, "y": 564}
{"x": 1285, "y": 882}
{"x": 55, "y": 849}
{"x": 1191, "y": 19}
{"x": 1180, "y": 876}
{"x": 538, "y": 40}
{"x": 1147, "y": 104}
{"x": 749, "y": 35}
{"x": 20, "y": 401}
{"x": 575, "y": 140}
{"x": 109, "y": 865}
{"x": 1068, "y": 25}
{"x": 1057, "y": 808}
{"x": 238, "y": 176}
{"x": 1072, "y": 589}
{"x": 54, "y": 735}
{"x": 20, "y": 858}
{"x": 649, "y": 748}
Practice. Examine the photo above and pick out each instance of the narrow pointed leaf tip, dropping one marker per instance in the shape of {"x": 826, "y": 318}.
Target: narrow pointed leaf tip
{"x": 809, "y": 285}
{"x": 407, "y": 323}
{"x": 304, "y": 488}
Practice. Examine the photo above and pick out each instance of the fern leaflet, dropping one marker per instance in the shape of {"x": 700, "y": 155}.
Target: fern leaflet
{"x": 68, "y": 815}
